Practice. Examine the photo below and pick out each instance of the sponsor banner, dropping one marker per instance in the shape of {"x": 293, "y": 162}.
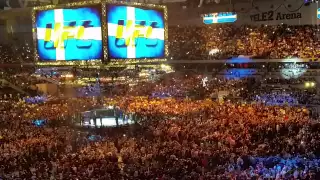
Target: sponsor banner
{"x": 135, "y": 32}
{"x": 272, "y": 15}
{"x": 69, "y": 34}
{"x": 294, "y": 13}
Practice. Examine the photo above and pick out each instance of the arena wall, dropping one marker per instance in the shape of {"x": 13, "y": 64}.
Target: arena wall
{"x": 16, "y": 25}
{"x": 291, "y": 12}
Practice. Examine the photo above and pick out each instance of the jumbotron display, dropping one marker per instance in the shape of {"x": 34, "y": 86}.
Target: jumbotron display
{"x": 135, "y": 32}
{"x": 221, "y": 17}
{"x": 69, "y": 34}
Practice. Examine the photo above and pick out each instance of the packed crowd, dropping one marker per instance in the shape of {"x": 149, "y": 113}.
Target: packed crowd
{"x": 293, "y": 92}
{"x": 278, "y": 98}
{"x": 20, "y": 80}
{"x": 12, "y": 53}
{"x": 224, "y": 41}
{"x": 175, "y": 137}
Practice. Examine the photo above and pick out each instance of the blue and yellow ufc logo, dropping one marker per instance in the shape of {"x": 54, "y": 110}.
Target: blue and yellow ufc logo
{"x": 69, "y": 34}
{"x": 130, "y": 34}
{"x": 135, "y": 32}
{"x": 58, "y": 36}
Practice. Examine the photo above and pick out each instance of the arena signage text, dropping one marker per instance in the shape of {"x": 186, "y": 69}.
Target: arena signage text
{"x": 272, "y": 15}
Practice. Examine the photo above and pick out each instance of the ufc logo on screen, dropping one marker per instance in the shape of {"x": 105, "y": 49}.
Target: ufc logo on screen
{"x": 58, "y": 36}
{"x": 131, "y": 32}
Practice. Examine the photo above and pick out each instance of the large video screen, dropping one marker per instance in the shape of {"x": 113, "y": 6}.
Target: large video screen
{"x": 69, "y": 34}
{"x": 135, "y": 32}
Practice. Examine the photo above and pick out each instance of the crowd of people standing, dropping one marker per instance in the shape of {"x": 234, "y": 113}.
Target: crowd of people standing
{"x": 225, "y": 41}
{"x": 175, "y": 138}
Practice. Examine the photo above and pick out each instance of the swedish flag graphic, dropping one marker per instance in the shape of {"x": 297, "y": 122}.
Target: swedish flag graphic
{"x": 135, "y": 32}
{"x": 69, "y": 34}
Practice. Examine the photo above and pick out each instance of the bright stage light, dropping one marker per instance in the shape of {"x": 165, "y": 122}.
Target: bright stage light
{"x": 307, "y": 84}
{"x": 214, "y": 51}
{"x": 312, "y": 84}
{"x": 293, "y": 71}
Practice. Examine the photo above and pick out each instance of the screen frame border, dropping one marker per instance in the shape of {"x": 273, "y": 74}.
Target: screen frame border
{"x": 105, "y": 59}
{"x": 79, "y": 62}
{"x": 162, "y": 8}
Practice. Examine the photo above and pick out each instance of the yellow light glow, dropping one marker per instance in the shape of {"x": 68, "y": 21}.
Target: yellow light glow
{"x": 307, "y": 84}
{"x": 312, "y": 84}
